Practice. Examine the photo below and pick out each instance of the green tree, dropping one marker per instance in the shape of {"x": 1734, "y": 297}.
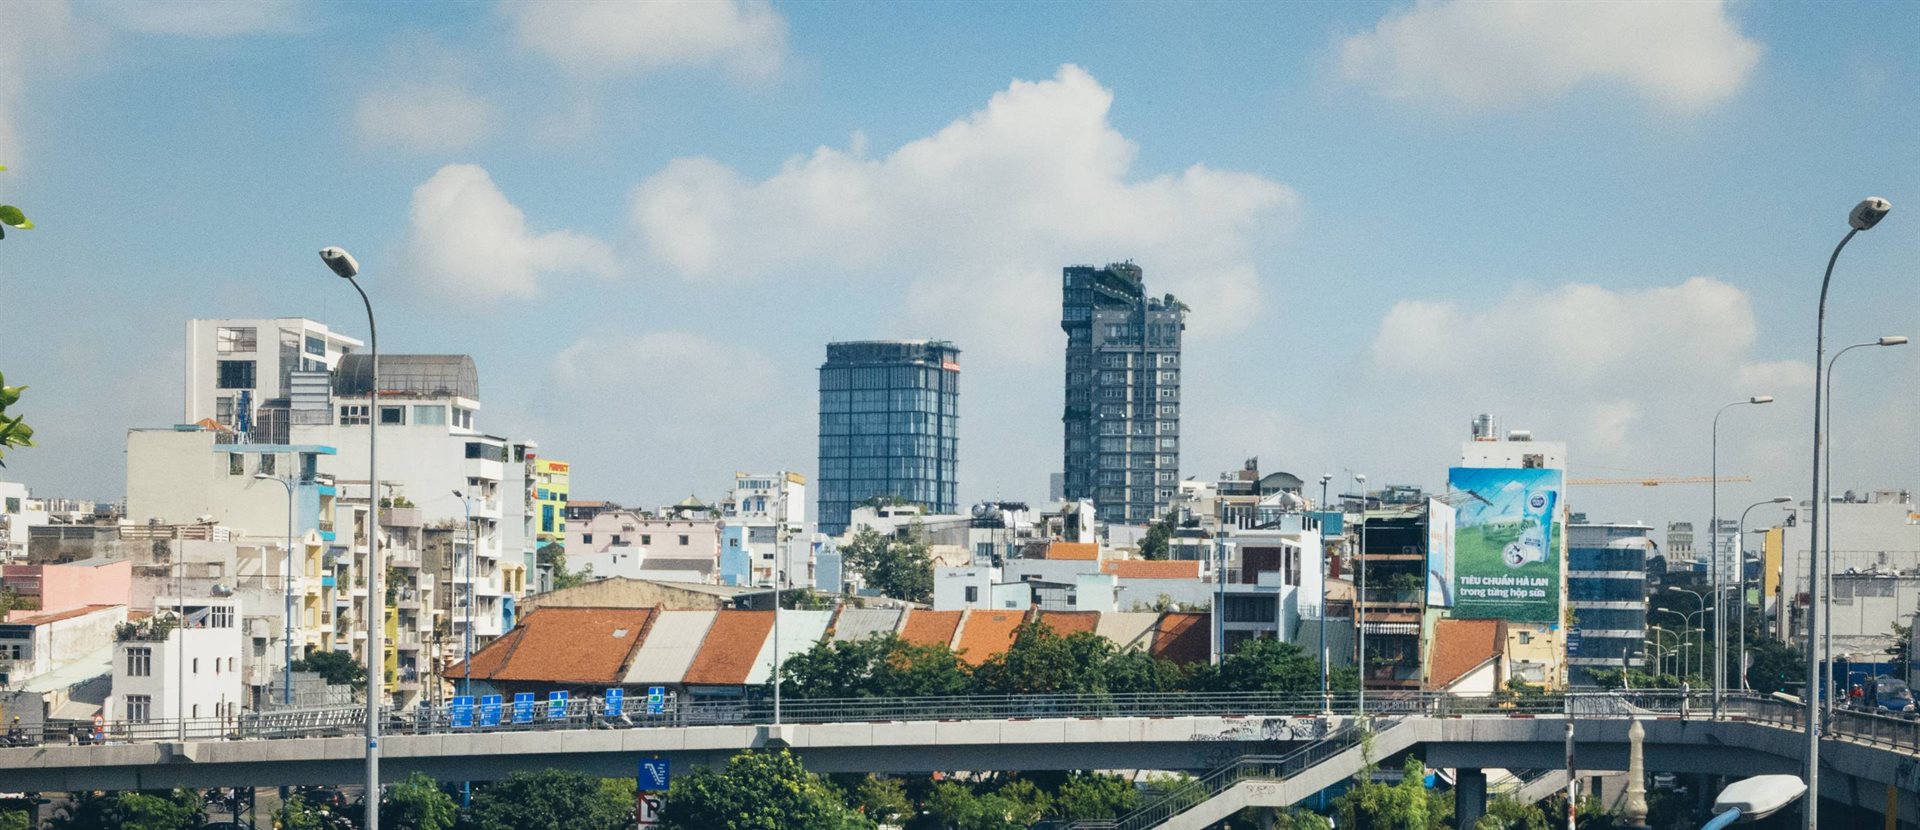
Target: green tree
{"x": 954, "y": 806}
{"x": 899, "y": 568}
{"x": 1040, "y": 661}
{"x": 176, "y": 810}
{"x": 336, "y": 667}
{"x": 1094, "y": 796}
{"x": 553, "y": 556}
{"x": 883, "y": 800}
{"x": 1902, "y": 644}
{"x": 549, "y": 799}
{"x": 1407, "y": 805}
{"x": 1505, "y": 813}
{"x": 303, "y": 812}
{"x": 1159, "y": 534}
{"x": 878, "y": 666}
{"x": 1267, "y": 665}
{"x": 757, "y": 791}
{"x": 1775, "y": 666}
{"x": 14, "y": 431}
{"x": 10, "y": 215}
{"x": 15, "y": 820}
{"x": 417, "y": 803}
{"x": 1133, "y": 670}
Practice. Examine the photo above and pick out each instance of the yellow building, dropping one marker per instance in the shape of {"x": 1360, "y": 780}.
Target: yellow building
{"x": 550, "y": 482}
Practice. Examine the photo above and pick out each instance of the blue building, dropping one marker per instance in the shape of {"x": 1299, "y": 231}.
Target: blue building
{"x": 889, "y": 423}
{"x": 1607, "y": 594}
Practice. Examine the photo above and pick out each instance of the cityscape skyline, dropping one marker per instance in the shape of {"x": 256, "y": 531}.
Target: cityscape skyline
{"x": 1325, "y": 204}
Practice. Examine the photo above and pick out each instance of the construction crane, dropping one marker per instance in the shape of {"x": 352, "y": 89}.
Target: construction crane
{"x": 1655, "y": 481}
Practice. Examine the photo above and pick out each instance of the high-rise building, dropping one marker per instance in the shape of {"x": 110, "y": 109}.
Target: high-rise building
{"x": 1123, "y": 392}
{"x": 552, "y": 480}
{"x": 234, "y": 367}
{"x": 889, "y": 412}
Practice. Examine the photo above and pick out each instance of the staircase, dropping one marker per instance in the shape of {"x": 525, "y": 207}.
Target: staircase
{"x": 1258, "y": 781}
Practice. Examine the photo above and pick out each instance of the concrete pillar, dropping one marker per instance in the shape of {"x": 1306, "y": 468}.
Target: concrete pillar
{"x": 1469, "y": 797}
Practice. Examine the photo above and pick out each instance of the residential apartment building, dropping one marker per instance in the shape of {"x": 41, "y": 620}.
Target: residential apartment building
{"x": 1122, "y": 418}
{"x": 630, "y": 544}
{"x": 551, "y": 481}
{"x": 1877, "y": 531}
{"x": 889, "y": 426}
{"x": 1535, "y": 649}
{"x": 763, "y": 536}
{"x": 183, "y": 662}
{"x": 237, "y": 367}
{"x": 1607, "y": 595}
{"x": 19, "y": 513}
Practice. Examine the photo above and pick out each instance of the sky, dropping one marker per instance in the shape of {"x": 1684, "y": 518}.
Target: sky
{"x": 1599, "y": 221}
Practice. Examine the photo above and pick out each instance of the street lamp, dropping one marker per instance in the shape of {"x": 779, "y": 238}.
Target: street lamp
{"x": 1659, "y": 645}
{"x": 1713, "y": 535}
{"x": 346, "y": 268}
{"x": 466, "y": 657}
{"x": 1686, "y": 642}
{"x": 1326, "y": 688}
{"x": 1739, "y": 542}
{"x": 1360, "y": 608}
{"x": 286, "y": 586}
{"x": 1864, "y": 216}
{"x": 1826, "y": 507}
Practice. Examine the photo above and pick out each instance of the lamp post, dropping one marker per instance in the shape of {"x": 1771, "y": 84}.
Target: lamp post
{"x": 1713, "y": 535}
{"x": 1659, "y": 646}
{"x": 1326, "y": 687}
{"x": 1739, "y": 541}
{"x": 466, "y": 655}
{"x": 1360, "y": 608}
{"x": 1864, "y": 216}
{"x": 346, "y": 268}
{"x": 1826, "y": 507}
{"x": 286, "y": 586}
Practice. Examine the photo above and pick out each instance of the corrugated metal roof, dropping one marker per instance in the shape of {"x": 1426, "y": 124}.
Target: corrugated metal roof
{"x": 799, "y": 631}
{"x": 669, "y": 649}
{"x": 861, "y": 623}
{"x": 1128, "y": 629}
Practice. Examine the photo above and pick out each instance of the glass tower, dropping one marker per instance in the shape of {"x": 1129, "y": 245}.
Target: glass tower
{"x": 888, "y": 416}
{"x": 1122, "y": 414}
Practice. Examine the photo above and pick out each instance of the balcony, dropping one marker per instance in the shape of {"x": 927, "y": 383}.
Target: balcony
{"x": 401, "y": 517}
{"x": 1394, "y": 596}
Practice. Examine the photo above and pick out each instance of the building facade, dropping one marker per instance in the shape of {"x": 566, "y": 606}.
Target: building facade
{"x": 235, "y": 367}
{"x": 551, "y": 480}
{"x": 1607, "y": 594}
{"x": 1122, "y": 417}
{"x": 889, "y": 417}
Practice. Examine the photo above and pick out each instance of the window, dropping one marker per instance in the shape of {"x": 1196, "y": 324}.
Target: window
{"x": 474, "y": 450}
{"x": 355, "y": 415}
{"x": 616, "y": 540}
{"x": 236, "y": 340}
{"x": 140, "y": 662}
{"x": 430, "y": 416}
{"x": 220, "y": 616}
{"x": 393, "y": 416}
{"x": 973, "y": 593}
{"x": 236, "y": 464}
{"x": 683, "y": 539}
{"x": 586, "y": 538}
{"x": 196, "y": 665}
{"x": 646, "y": 538}
{"x": 732, "y": 543}
{"x": 267, "y": 463}
{"x": 234, "y": 374}
{"x": 1526, "y": 637}
{"x": 138, "y": 708}
{"x": 223, "y": 410}
{"x": 316, "y": 346}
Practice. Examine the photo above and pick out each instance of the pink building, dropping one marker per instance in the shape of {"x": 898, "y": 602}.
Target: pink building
{"x": 51, "y": 589}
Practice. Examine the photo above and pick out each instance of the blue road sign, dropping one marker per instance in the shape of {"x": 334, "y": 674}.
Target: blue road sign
{"x": 655, "y": 775}
{"x": 656, "y": 700}
{"x": 523, "y": 707}
{"x": 490, "y": 710}
{"x": 615, "y": 703}
{"x": 557, "y": 705}
{"x": 462, "y": 713}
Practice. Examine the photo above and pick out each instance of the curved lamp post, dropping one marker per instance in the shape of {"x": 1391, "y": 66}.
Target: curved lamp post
{"x": 1716, "y": 572}
{"x": 286, "y": 586}
{"x": 1826, "y": 507}
{"x": 346, "y": 268}
{"x": 1863, "y": 217}
{"x": 1739, "y": 539}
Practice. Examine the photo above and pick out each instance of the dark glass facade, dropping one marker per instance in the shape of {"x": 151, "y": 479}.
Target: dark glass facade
{"x": 889, "y": 414}
{"x": 1607, "y": 593}
{"x": 1122, "y": 417}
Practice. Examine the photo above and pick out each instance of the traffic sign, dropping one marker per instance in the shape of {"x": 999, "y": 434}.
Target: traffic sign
{"x": 523, "y": 707}
{"x": 462, "y": 714}
{"x": 557, "y": 705}
{"x": 656, "y": 700}
{"x": 615, "y": 702}
{"x": 647, "y": 808}
{"x": 490, "y": 710}
{"x": 655, "y": 775}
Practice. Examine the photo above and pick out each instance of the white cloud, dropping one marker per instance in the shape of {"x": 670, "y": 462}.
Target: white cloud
{"x": 978, "y": 218}
{"x": 746, "y": 37}
{"x": 1491, "y": 54}
{"x": 207, "y": 18}
{"x": 466, "y": 237}
{"x": 32, "y": 36}
{"x": 424, "y": 116}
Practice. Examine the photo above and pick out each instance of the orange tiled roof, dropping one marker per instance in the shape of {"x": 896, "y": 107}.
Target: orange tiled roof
{"x": 1152, "y": 569}
{"x": 565, "y": 645}
{"x": 930, "y": 628}
{"x": 56, "y": 616}
{"x": 1183, "y": 638}
{"x": 986, "y": 633}
{"x": 1087, "y": 551}
{"x": 733, "y": 642}
{"x": 1071, "y": 622}
{"x": 1459, "y": 647}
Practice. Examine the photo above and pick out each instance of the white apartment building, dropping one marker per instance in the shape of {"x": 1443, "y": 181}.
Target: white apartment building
{"x": 626, "y": 543}
{"x": 184, "y": 661}
{"x": 18, "y": 512}
{"x": 236, "y": 366}
{"x": 1877, "y": 531}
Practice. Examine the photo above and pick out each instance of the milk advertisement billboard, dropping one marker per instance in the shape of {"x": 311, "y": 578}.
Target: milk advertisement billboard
{"x": 1507, "y": 543}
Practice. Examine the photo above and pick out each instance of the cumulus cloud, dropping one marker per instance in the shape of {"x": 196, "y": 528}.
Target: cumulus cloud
{"x": 208, "y": 18}
{"x": 1491, "y": 54}
{"x": 465, "y": 236}
{"x": 423, "y": 116}
{"x": 746, "y": 37}
{"x": 979, "y": 217}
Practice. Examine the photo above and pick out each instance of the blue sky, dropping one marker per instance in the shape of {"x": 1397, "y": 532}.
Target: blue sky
{"x": 644, "y": 221}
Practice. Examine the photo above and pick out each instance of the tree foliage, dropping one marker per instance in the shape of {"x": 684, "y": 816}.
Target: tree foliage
{"x": 1505, "y": 813}
{"x": 176, "y": 810}
{"x": 1093, "y": 796}
{"x": 417, "y": 803}
{"x": 553, "y": 556}
{"x": 881, "y": 666}
{"x": 1407, "y": 805}
{"x": 549, "y": 799}
{"x": 883, "y": 800}
{"x": 757, "y": 791}
{"x": 1267, "y": 665}
{"x": 12, "y": 216}
{"x": 1776, "y": 666}
{"x": 1159, "y": 536}
{"x": 899, "y": 568}
{"x": 1015, "y": 805}
{"x": 336, "y": 667}
{"x": 15, "y": 820}
{"x": 14, "y": 431}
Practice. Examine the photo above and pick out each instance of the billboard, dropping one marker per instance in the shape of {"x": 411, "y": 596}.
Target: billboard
{"x": 1440, "y": 533}
{"x": 1507, "y": 544}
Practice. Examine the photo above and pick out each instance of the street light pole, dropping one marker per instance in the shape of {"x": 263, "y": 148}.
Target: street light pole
{"x": 342, "y": 264}
{"x": 1360, "y": 608}
{"x": 466, "y": 657}
{"x": 1864, "y": 216}
{"x": 286, "y": 586}
{"x": 1739, "y": 547}
{"x": 1826, "y": 506}
{"x": 1326, "y": 687}
{"x": 1713, "y": 534}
